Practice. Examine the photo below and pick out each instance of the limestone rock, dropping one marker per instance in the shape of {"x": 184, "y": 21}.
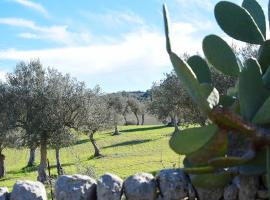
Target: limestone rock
{"x": 109, "y": 187}
{"x": 231, "y": 192}
{"x": 141, "y": 186}
{"x": 76, "y": 187}
{"x": 248, "y": 187}
{"x": 215, "y": 194}
{"x": 173, "y": 184}
{"x": 28, "y": 190}
{"x": 3, "y": 193}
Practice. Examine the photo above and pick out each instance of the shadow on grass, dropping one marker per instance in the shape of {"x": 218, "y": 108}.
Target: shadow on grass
{"x": 82, "y": 141}
{"x": 95, "y": 157}
{"x": 9, "y": 178}
{"x": 143, "y": 129}
{"x": 133, "y": 142}
{"x": 34, "y": 168}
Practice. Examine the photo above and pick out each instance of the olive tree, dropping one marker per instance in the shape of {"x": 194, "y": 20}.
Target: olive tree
{"x": 9, "y": 133}
{"x": 48, "y": 104}
{"x": 27, "y": 83}
{"x": 169, "y": 99}
{"x": 116, "y": 106}
{"x": 94, "y": 116}
{"x": 135, "y": 107}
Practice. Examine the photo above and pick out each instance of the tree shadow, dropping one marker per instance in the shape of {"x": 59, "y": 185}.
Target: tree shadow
{"x": 96, "y": 157}
{"x": 9, "y": 178}
{"x": 81, "y": 141}
{"x": 34, "y": 168}
{"x": 24, "y": 170}
{"x": 143, "y": 129}
{"x": 63, "y": 165}
{"x": 133, "y": 142}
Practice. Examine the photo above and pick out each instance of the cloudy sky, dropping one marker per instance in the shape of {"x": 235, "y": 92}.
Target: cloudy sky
{"x": 118, "y": 44}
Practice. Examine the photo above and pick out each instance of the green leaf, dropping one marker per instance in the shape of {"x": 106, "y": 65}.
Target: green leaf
{"x": 227, "y": 101}
{"x": 264, "y": 58}
{"x": 269, "y": 17}
{"x": 190, "y": 82}
{"x": 215, "y": 147}
{"x": 200, "y": 68}
{"x": 256, "y": 166}
{"x": 266, "y": 78}
{"x": 256, "y": 11}
{"x": 251, "y": 91}
{"x": 268, "y": 167}
{"x": 263, "y": 114}
{"x": 167, "y": 31}
{"x": 225, "y": 162}
{"x": 190, "y": 140}
{"x": 210, "y": 94}
{"x": 220, "y": 55}
{"x": 238, "y": 23}
{"x": 199, "y": 170}
{"x": 211, "y": 181}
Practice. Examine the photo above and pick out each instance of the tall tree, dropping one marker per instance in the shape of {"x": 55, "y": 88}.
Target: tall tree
{"x": 9, "y": 133}
{"x": 47, "y": 104}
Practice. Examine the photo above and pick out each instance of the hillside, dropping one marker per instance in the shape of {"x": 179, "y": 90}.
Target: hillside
{"x": 138, "y": 148}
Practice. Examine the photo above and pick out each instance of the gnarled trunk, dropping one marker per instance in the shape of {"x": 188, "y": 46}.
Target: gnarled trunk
{"x": 142, "y": 123}
{"x": 2, "y": 165}
{"x": 137, "y": 118}
{"x": 93, "y": 141}
{"x": 42, "y": 175}
{"x": 60, "y": 170}
{"x": 174, "y": 123}
{"x": 116, "y": 132}
{"x": 125, "y": 119}
{"x": 32, "y": 156}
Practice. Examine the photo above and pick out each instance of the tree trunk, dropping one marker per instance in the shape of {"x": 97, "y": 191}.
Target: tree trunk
{"x": 2, "y": 165}
{"x": 142, "y": 123}
{"x": 175, "y": 124}
{"x": 116, "y": 132}
{"x": 137, "y": 118}
{"x": 32, "y": 157}
{"x": 60, "y": 170}
{"x": 42, "y": 175}
{"x": 93, "y": 141}
{"x": 125, "y": 119}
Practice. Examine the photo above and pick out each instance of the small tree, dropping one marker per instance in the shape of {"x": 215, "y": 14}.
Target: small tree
{"x": 169, "y": 99}
{"x": 116, "y": 106}
{"x": 135, "y": 107}
{"x": 94, "y": 116}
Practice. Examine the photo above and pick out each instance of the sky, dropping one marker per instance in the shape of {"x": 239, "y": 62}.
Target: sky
{"x": 117, "y": 44}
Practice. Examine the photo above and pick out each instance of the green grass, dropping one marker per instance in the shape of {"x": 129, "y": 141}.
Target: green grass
{"x": 137, "y": 149}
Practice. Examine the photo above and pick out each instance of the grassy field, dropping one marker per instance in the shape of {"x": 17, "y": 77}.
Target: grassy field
{"x": 137, "y": 149}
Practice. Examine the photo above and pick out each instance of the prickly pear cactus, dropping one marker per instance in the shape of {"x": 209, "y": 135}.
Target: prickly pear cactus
{"x": 244, "y": 113}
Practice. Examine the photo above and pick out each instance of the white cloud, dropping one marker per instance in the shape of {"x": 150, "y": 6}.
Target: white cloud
{"x": 141, "y": 51}
{"x": 18, "y": 22}
{"x": 206, "y": 4}
{"x": 114, "y": 18}
{"x": 136, "y": 48}
{"x": 32, "y": 5}
{"x": 55, "y": 33}
{"x": 28, "y": 35}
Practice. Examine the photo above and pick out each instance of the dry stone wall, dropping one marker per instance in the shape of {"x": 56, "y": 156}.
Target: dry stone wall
{"x": 168, "y": 184}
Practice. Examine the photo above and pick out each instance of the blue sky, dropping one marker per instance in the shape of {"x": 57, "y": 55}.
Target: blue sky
{"x": 118, "y": 44}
